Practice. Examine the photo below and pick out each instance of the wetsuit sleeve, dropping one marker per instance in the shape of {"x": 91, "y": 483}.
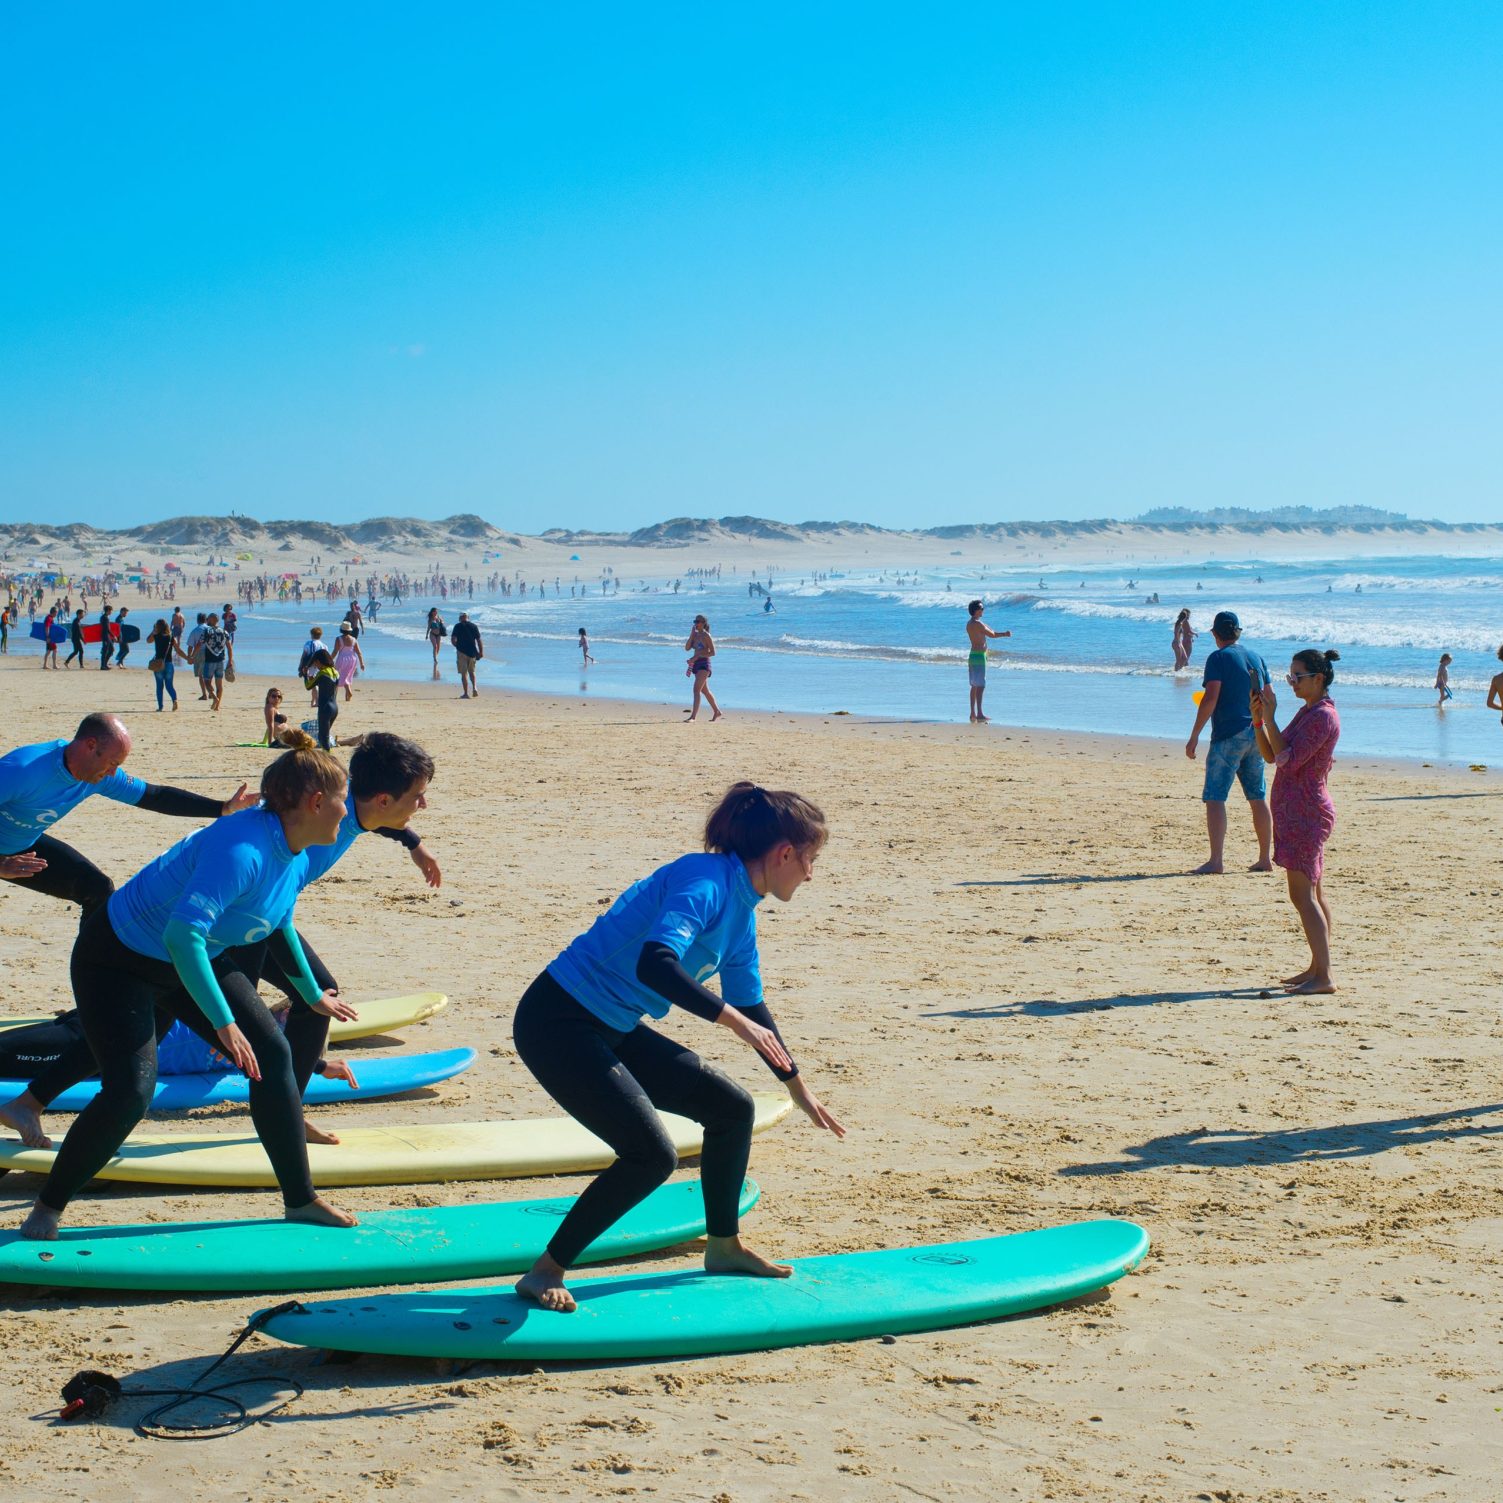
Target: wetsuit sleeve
{"x": 407, "y": 837}
{"x": 190, "y": 954}
{"x": 299, "y": 973}
{"x": 659, "y": 968}
{"x": 761, "y": 1013}
{"x": 125, "y": 789}
{"x": 176, "y": 801}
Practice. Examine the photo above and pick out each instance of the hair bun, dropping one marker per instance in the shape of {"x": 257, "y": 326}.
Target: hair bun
{"x": 1332, "y": 656}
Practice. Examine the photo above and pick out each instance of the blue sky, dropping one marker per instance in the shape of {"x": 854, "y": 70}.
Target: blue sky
{"x": 600, "y": 265}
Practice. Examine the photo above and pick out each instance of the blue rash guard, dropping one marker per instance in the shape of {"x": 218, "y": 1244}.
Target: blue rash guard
{"x": 37, "y": 790}
{"x": 232, "y": 883}
{"x": 181, "y": 1051}
{"x": 702, "y": 908}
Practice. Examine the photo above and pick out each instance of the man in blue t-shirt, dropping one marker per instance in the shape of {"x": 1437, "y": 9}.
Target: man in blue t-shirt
{"x": 1231, "y": 674}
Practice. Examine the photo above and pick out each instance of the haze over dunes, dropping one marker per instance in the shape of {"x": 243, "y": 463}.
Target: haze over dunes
{"x": 1150, "y": 532}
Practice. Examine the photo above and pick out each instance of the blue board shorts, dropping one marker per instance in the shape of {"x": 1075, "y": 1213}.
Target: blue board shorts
{"x": 1235, "y": 757}
{"x": 976, "y": 669}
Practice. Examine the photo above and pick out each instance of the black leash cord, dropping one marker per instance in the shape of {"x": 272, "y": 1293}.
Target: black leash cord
{"x": 91, "y": 1397}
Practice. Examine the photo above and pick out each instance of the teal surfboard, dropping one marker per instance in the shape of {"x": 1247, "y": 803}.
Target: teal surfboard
{"x": 692, "y": 1314}
{"x": 388, "y": 1247}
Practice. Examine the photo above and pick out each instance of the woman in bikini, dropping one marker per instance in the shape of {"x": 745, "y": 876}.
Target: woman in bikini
{"x": 701, "y": 648}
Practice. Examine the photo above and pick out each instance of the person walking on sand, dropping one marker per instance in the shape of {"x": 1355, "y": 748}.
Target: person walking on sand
{"x": 977, "y": 632}
{"x": 75, "y": 639}
{"x": 1184, "y": 640}
{"x": 1443, "y": 681}
{"x": 468, "y": 651}
{"x": 584, "y": 647}
{"x": 1303, "y": 814}
{"x": 348, "y": 661}
{"x": 437, "y": 631}
{"x": 122, "y": 647}
{"x": 164, "y": 648}
{"x": 581, "y": 1028}
{"x": 217, "y": 654}
{"x": 106, "y": 644}
{"x": 701, "y": 648}
{"x": 1231, "y": 672}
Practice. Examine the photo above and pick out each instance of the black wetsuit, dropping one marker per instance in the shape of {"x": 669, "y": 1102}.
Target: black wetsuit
{"x": 124, "y": 1000}
{"x": 75, "y": 636}
{"x": 72, "y": 876}
{"x": 611, "y": 1082}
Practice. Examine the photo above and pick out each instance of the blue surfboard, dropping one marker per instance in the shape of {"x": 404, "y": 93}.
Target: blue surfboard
{"x": 690, "y": 1313}
{"x": 59, "y": 633}
{"x": 377, "y": 1077}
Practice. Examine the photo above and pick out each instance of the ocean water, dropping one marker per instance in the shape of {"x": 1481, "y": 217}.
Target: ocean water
{"x": 1088, "y": 652}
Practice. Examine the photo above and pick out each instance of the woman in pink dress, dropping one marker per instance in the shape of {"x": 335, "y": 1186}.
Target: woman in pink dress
{"x": 1303, "y": 814}
{"x": 348, "y": 660}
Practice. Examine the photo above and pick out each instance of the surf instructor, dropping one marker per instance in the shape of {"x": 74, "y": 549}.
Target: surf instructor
{"x": 41, "y": 783}
{"x": 581, "y": 1027}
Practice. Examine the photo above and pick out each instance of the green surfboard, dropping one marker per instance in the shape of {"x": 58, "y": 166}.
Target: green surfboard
{"x": 689, "y": 1314}
{"x": 388, "y": 1247}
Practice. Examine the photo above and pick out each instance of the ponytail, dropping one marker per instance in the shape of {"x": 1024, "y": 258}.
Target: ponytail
{"x": 750, "y": 820}
{"x": 296, "y": 773}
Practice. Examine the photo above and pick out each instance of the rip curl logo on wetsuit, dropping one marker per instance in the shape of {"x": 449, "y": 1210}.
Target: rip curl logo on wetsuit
{"x": 261, "y": 930}
{"x": 35, "y": 817}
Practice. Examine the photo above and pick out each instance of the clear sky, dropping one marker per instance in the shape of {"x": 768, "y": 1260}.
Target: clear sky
{"x": 600, "y": 265}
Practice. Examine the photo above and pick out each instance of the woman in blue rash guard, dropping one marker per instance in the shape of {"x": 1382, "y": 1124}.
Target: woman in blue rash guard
{"x": 580, "y": 1027}
{"x": 160, "y": 945}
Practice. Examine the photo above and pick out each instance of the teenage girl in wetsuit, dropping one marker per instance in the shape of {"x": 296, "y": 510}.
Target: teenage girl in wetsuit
{"x": 580, "y": 1027}
{"x": 161, "y": 945}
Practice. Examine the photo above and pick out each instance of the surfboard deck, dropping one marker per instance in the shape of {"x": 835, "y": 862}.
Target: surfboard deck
{"x": 388, "y": 1247}
{"x": 379, "y": 1015}
{"x": 388, "y": 1075}
{"x": 130, "y": 631}
{"x": 692, "y": 1314}
{"x": 59, "y": 633}
{"x": 429, "y": 1153}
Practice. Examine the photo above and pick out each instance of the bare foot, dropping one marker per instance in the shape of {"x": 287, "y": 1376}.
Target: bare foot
{"x": 718, "y": 715}
{"x": 317, "y": 1134}
{"x": 1261, "y": 866}
{"x": 1207, "y": 869}
{"x": 727, "y": 1255}
{"x": 23, "y": 1116}
{"x": 1315, "y": 985}
{"x": 1298, "y": 978}
{"x": 983, "y": 720}
{"x": 318, "y": 1212}
{"x": 544, "y": 1284}
{"x": 41, "y": 1224}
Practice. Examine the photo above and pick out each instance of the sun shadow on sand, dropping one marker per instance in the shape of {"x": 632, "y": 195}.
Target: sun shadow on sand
{"x": 1041, "y": 1007}
{"x": 1048, "y": 879}
{"x": 1211, "y": 1149}
{"x": 1414, "y": 798}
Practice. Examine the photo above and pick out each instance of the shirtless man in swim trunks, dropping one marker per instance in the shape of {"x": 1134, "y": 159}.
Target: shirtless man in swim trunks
{"x": 978, "y": 631}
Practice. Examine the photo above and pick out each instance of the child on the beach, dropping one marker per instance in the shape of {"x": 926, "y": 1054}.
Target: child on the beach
{"x": 584, "y": 646}
{"x": 1443, "y": 680}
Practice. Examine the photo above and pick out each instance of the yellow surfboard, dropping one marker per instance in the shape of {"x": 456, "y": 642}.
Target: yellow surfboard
{"x": 380, "y": 1015}
{"x": 433, "y": 1153}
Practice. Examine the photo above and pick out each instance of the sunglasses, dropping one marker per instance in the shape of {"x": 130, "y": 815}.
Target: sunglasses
{"x": 1292, "y": 679}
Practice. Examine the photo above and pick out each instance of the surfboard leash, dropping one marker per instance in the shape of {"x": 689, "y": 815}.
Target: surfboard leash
{"x": 90, "y": 1393}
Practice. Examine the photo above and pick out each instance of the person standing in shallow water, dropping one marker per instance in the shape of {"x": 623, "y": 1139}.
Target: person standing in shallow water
{"x": 581, "y": 1028}
{"x": 977, "y": 632}
{"x": 1303, "y": 814}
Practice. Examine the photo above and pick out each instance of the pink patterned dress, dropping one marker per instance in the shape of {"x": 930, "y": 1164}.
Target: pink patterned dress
{"x": 347, "y": 663}
{"x": 1303, "y": 814}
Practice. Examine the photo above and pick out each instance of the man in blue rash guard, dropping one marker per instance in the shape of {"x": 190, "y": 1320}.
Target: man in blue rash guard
{"x": 389, "y": 777}
{"x": 163, "y": 943}
{"x": 39, "y": 784}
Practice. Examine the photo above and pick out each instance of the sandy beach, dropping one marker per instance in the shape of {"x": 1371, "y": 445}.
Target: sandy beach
{"x": 1025, "y": 1014}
